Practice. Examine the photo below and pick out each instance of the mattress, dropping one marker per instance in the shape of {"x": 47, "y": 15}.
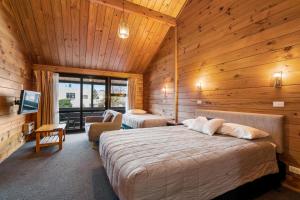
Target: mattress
{"x": 144, "y": 120}
{"x": 177, "y": 163}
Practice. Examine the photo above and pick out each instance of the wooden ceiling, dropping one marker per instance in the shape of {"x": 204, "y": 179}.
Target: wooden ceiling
{"x": 83, "y": 33}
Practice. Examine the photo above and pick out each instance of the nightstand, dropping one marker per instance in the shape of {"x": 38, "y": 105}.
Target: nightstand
{"x": 173, "y": 123}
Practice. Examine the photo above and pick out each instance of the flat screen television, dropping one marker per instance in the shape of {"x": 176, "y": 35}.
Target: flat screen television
{"x": 29, "y": 102}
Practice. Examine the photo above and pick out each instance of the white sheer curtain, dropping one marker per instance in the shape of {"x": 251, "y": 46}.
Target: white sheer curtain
{"x": 131, "y": 88}
{"x": 55, "y": 98}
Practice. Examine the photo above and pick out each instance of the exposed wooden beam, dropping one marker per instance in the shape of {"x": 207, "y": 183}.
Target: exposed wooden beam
{"x": 138, "y": 9}
{"x": 176, "y": 73}
{"x": 77, "y": 70}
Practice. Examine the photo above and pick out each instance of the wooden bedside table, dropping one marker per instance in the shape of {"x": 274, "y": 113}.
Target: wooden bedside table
{"x": 173, "y": 123}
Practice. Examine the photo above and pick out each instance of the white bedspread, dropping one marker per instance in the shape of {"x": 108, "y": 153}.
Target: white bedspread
{"x": 144, "y": 120}
{"x": 177, "y": 163}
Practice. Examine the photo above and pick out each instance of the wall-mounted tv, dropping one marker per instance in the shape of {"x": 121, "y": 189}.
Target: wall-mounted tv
{"x": 29, "y": 102}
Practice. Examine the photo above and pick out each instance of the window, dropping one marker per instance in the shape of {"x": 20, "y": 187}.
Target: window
{"x": 81, "y": 96}
{"x": 118, "y": 93}
{"x": 99, "y": 93}
{"x": 70, "y": 95}
{"x": 69, "y": 92}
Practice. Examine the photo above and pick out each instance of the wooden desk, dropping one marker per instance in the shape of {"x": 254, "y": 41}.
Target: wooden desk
{"x": 49, "y": 131}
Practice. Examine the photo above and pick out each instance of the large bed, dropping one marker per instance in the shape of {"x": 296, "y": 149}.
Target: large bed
{"x": 144, "y": 120}
{"x": 178, "y": 163}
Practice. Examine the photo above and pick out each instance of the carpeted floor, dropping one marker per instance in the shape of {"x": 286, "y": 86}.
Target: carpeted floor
{"x": 73, "y": 173}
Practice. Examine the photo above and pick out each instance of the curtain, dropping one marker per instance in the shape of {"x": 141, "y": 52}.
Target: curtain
{"x": 44, "y": 85}
{"x": 131, "y": 88}
{"x": 55, "y": 98}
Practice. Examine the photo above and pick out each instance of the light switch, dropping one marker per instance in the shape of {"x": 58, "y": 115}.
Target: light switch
{"x": 199, "y": 102}
{"x": 278, "y": 104}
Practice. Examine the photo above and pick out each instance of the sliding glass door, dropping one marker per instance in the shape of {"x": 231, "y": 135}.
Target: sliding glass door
{"x": 70, "y": 102}
{"x": 93, "y": 97}
{"x": 81, "y": 96}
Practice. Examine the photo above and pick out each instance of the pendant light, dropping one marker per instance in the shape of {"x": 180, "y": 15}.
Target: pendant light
{"x": 123, "y": 30}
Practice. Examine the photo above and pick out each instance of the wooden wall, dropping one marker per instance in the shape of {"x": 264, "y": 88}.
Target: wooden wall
{"x": 160, "y": 74}
{"x": 234, "y": 47}
{"x": 15, "y": 74}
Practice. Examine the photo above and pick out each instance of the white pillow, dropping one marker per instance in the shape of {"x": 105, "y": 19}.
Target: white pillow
{"x": 197, "y": 124}
{"x": 136, "y": 111}
{"x": 209, "y": 127}
{"x": 242, "y": 131}
{"x": 188, "y": 122}
{"x": 212, "y": 126}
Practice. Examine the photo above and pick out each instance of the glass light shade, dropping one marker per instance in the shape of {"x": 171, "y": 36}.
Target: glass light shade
{"x": 277, "y": 75}
{"x": 277, "y": 79}
{"x": 123, "y": 31}
{"x": 199, "y": 85}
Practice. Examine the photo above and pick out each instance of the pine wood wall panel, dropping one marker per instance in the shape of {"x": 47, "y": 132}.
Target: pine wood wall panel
{"x": 234, "y": 47}
{"x": 15, "y": 74}
{"x": 160, "y": 74}
{"x": 84, "y": 33}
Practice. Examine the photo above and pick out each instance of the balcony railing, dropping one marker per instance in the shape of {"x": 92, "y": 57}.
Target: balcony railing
{"x": 72, "y": 117}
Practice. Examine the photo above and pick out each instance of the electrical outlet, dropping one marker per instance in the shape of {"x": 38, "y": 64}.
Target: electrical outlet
{"x": 199, "y": 102}
{"x": 294, "y": 170}
{"x": 278, "y": 104}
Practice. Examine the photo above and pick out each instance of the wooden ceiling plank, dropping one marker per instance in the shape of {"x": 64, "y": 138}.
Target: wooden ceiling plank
{"x": 75, "y": 20}
{"x": 117, "y": 43}
{"x": 145, "y": 31}
{"x": 124, "y": 43}
{"x": 83, "y": 24}
{"x": 150, "y": 38}
{"x": 50, "y": 30}
{"x": 59, "y": 30}
{"x": 146, "y": 58}
{"x": 105, "y": 36}
{"x": 66, "y": 13}
{"x": 113, "y": 37}
{"x": 136, "y": 20}
{"x": 140, "y": 10}
{"x": 30, "y": 29}
{"x": 139, "y": 52}
{"x": 98, "y": 35}
{"x": 21, "y": 31}
{"x": 121, "y": 64}
{"x": 93, "y": 9}
{"x": 38, "y": 20}
{"x": 180, "y": 6}
{"x": 76, "y": 37}
{"x": 142, "y": 35}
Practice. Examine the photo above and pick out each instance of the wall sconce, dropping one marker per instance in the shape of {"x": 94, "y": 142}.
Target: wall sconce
{"x": 199, "y": 85}
{"x": 277, "y": 79}
{"x": 164, "y": 90}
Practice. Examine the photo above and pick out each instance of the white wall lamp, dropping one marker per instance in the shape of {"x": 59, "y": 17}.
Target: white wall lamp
{"x": 199, "y": 85}
{"x": 277, "y": 79}
{"x": 164, "y": 90}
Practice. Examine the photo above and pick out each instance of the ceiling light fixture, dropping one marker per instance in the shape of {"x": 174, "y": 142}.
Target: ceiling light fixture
{"x": 123, "y": 30}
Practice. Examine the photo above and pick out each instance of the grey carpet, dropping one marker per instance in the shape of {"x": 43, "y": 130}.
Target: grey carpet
{"x": 73, "y": 173}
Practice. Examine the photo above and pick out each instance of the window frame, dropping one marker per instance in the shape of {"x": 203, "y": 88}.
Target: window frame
{"x": 108, "y": 95}
{"x": 122, "y": 109}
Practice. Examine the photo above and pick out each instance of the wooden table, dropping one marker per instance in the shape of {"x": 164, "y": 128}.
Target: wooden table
{"x": 52, "y": 135}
